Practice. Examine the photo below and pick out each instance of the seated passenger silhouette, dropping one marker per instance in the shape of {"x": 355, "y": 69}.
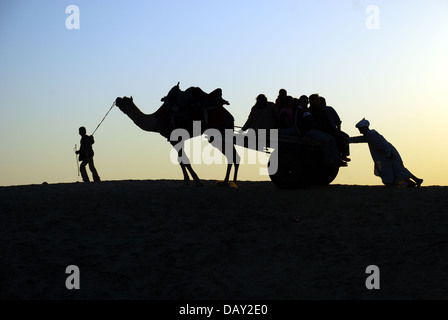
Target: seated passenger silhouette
{"x": 324, "y": 123}
{"x": 339, "y": 135}
{"x": 286, "y": 117}
{"x": 280, "y": 101}
{"x": 307, "y": 127}
{"x": 263, "y": 115}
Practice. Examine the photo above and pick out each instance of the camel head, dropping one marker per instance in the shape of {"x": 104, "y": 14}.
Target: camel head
{"x": 124, "y": 104}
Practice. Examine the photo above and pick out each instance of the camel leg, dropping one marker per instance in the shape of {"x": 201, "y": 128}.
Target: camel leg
{"x": 185, "y": 173}
{"x": 234, "y": 160}
{"x": 226, "y": 179}
{"x": 195, "y": 177}
{"x": 236, "y": 164}
{"x": 186, "y": 167}
{"x": 235, "y": 173}
{"x": 180, "y": 159}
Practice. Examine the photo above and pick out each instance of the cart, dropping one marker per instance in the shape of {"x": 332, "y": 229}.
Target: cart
{"x": 299, "y": 162}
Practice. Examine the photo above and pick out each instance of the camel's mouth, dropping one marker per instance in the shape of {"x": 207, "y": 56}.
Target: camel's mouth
{"x": 118, "y": 101}
{"x": 123, "y": 101}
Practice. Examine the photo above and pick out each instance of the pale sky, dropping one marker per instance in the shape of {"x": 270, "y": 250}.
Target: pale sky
{"x": 54, "y": 79}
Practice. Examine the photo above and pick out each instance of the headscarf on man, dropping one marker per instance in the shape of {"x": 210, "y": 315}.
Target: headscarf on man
{"x": 363, "y": 123}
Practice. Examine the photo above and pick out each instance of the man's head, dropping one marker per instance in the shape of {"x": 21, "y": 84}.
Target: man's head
{"x": 363, "y": 126}
{"x": 323, "y": 102}
{"x": 314, "y": 100}
{"x": 282, "y": 93}
{"x": 303, "y": 101}
{"x": 261, "y": 99}
{"x": 82, "y": 131}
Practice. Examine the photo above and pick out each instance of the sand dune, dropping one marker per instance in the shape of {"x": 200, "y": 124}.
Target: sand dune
{"x": 161, "y": 240}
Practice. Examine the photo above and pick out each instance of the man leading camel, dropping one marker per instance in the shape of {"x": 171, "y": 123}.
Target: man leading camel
{"x": 85, "y": 153}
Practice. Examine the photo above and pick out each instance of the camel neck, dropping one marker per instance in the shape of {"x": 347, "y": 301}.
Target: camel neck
{"x": 144, "y": 121}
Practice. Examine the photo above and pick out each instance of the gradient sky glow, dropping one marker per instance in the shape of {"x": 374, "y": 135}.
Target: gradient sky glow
{"x": 54, "y": 80}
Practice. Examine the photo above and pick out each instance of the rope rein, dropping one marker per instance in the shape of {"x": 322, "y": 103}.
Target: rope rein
{"x": 113, "y": 104}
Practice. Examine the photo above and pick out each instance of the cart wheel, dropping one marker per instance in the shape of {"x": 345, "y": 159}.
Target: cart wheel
{"x": 324, "y": 175}
{"x": 319, "y": 174}
{"x": 289, "y": 173}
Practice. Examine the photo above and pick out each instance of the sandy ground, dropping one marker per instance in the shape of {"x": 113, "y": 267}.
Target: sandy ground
{"x": 161, "y": 240}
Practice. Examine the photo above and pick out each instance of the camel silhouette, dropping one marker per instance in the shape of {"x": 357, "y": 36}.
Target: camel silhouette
{"x": 174, "y": 114}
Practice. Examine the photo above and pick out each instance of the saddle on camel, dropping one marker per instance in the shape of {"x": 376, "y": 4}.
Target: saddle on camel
{"x": 194, "y": 99}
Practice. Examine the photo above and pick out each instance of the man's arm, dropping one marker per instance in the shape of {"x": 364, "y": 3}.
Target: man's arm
{"x": 359, "y": 139}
